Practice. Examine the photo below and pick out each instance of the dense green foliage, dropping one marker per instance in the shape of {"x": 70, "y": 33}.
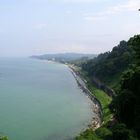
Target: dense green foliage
{"x": 121, "y": 132}
{"x": 108, "y": 66}
{"x": 99, "y": 134}
{"x": 123, "y": 65}
{"x": 126, "y": 105}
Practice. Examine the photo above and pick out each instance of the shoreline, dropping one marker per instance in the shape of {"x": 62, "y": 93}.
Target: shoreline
{"x": 97, "y": 108}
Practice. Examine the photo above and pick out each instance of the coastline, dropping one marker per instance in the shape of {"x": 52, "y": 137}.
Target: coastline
{"x": 97, "y": 108}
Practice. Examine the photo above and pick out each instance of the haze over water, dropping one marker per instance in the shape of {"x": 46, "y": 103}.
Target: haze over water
{"x": 40, "y": 101}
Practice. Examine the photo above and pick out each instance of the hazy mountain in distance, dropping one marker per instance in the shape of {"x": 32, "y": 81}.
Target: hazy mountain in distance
{"x": 64, "y": 57}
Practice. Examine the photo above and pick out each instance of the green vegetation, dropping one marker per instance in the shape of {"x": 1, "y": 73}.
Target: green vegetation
{"x": 120, "y": 69}
{"x": 105, "y": 101}
{"x": 101, "y": 133}
{"x": 108, "y": 67}
{"x": 126, "y": 105}
{"x": 3, "y": 138}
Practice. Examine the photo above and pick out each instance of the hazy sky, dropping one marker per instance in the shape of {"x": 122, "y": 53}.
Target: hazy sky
{"x": 49, "y": 26}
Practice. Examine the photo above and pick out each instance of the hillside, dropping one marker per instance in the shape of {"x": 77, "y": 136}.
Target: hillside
{"x": 120, "y": 67}
{"x": 108, "y": 67}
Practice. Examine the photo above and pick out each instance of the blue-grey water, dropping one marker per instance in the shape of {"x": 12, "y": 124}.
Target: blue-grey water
{"x": 40, "y": 100}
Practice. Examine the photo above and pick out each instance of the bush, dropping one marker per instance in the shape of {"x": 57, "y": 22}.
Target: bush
{"x": 104, "y": 133}
{"x": 120, "y": 132}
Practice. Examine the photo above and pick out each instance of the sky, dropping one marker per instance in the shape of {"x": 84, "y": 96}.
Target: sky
{"x": 33, "y": 27}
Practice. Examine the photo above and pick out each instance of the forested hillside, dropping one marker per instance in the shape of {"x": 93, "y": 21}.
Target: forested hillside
{"x": 126, "y": 105}
{"x": 108, "y": 67}
{"x": 122, "y": 67}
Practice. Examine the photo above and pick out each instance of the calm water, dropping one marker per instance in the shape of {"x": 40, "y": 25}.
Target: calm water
{"x": 40, "y": 101}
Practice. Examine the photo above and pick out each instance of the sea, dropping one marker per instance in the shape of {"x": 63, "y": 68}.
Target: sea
{"x": 41, "y": 100}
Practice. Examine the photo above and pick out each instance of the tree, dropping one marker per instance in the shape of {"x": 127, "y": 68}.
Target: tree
{"x": 120, "y": 132}
{"x": 127, "y": 103}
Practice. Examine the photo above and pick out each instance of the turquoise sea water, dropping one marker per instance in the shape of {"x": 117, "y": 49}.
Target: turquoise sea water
{"x": 40, "y": 100}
